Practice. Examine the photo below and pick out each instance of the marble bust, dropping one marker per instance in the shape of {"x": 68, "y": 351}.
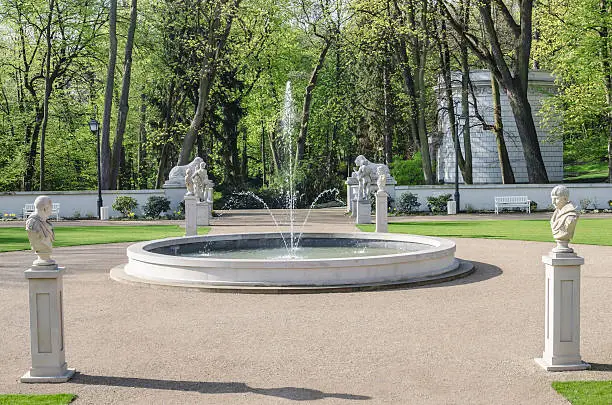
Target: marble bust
{"x": 564, "y": 219}
{"x": 40, "y": 231}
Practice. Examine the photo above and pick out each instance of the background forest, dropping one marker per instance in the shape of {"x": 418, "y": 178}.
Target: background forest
{"x": 169, "y": 80}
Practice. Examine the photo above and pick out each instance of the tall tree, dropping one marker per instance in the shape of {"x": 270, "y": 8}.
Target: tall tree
{"x": 123, "y": 99}
{"x": 511, "y": 69}
{"x": 105, "y": 152}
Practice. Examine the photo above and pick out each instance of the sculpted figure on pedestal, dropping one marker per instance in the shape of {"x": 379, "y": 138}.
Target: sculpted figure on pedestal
{"x": 200, "y": 182}
{"x": 188, "y": 182}
{"x": 363, "y": 176}
{"x": 381, "y": 181}
{"x": 177, "y": 173}
{"x": 40, "y": 231}
{"x": 564, "y": 219}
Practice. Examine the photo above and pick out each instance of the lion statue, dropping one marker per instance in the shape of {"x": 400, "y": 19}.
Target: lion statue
{"x": 177, "y": 174}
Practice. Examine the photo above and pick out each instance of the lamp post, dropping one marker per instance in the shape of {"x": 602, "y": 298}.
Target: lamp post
{"x": 459, "y": 122}
{"x": 94, "y": 126}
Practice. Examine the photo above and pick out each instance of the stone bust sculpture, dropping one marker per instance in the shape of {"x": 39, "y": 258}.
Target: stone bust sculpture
{"x": 564, "y": 219}
{"x": 40, "y": 231}
{"x": 200, "y": 182}
{"x": 188, "y": 181}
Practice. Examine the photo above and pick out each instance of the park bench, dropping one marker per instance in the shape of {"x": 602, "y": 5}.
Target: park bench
{"x": 514, "y": 201}
{"x": 29, "y": 208}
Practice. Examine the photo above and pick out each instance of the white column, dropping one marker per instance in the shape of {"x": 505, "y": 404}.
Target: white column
{"x": 46, "y": 326}
{"x": 381, "y": 211}
{"x": 562, "y": 313}
{"x": 364, "y": 212}
{"x": 191, "y": 216}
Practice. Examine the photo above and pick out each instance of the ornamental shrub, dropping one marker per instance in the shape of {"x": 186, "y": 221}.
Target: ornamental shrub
{"x": 438, "y": 203}
{"x": 408, "y": 171}
{"x": 407, "y": 203}
{"x": 155, "y": 205}
{"x": 125, "y": 205}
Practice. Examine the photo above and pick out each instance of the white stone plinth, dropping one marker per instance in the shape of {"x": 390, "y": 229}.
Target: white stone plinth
{"x": 351, "y": 189}
{"x": 203, "y": 218}
{"x": 46, "y": 326}
{"x": 562, "y": 313}
{"x": 451, "y": 207}
{"x": 364, "y": 212}
{"x": 354, "y": 208}
{"x": 381, "y": 211}
{"x": 191, "y": 216}
{"x": 104, "y": 213}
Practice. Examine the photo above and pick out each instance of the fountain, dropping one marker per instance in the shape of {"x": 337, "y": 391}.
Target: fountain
{"x": 296, "y": 262}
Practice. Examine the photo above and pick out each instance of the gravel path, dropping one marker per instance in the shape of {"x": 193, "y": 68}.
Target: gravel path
{"x": 470, "y": 341}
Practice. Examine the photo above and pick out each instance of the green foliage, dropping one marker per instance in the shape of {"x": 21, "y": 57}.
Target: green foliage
{"x": 585, "y": 392}
{"x": 155, "y": 205}
{"x": 408, "y": 171}
{"x": 408, "y": 203}
{"x": 437, "y": 204}
{"x": 125, "y": 205}
{"x": 29, "y": 399}
{"x": 589, "y": 232}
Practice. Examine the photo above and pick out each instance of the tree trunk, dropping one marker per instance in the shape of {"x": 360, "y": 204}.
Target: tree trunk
{"x": 521, "y": 110}
{"x": 142, "y": 141}
{"x": 123, "y": 100}
{"x": 387, "y": 131}
{"x": 498, "y": 130}
{"x": 606, "y": 10}
{"x": 466, "y": 171}
{"x": 207, "y": 76}
{"x": 34, "y": 132}
{"x": 43, "y": 131}
{"x": 105, "y": 153}
{"x": 301, "y": 142}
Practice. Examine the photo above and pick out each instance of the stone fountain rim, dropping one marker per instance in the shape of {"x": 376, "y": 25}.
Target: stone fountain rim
{"x": 437, "y": 247}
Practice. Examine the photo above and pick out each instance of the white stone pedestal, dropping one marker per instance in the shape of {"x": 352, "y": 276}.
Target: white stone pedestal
{"x": 351, "y": 187}
{"x": 451, "y": 207}
{"x": 46, "y": 326}
{"x": 354, "y": 208}
{"x": 203, "y": 218}
{"x": 191, "y": 216}
{"x": 562, "y": 313}
{"x": 104, "y": 213}
{"x": 364, "y": 212}
{"x": 381, "y": 211}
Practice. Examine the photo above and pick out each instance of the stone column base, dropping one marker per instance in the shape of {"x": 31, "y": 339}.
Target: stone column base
{"x": 545, "y": 364}
{"x": 60, "y": 378}
{"x": 364, "y": 212}
{"x": 381, "y": 211}
{"x": 191, "y": 216}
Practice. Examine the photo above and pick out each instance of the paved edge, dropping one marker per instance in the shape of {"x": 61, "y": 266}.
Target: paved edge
{"x": 465, "y": 269}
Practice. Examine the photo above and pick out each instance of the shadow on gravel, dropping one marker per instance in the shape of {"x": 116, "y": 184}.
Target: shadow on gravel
{"x": 204, "y": 387}
{"x": 600, "y": 367}
{"x": 482, "y": 272}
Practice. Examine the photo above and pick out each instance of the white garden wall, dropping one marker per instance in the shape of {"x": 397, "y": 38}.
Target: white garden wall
{"x": 71, "y": 202}
{"x": 482, "y": 197}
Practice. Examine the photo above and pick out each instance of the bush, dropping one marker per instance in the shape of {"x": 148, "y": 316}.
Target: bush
{"x": 155, "y": 205}
{"x": 407, "y": 171}
{"x": 438, "y": 204}
{"x": 533, "y": 206}
{"x": 125, "y": 205}
{"x": 407, "y": 203}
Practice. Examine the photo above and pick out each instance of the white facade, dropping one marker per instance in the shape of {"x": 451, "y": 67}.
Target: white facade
{"x": 485, "y": 161}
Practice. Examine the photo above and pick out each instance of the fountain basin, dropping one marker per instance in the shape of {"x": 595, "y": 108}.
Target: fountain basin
{"x": 209, "y": 262}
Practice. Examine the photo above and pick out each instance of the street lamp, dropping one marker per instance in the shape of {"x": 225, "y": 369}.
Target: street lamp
{"x": 459, "y": 122}
{"x": 94, "y": 127}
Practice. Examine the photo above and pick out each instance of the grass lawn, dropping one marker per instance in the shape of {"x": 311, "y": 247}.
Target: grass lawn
{"x": 588, "y": 231}
{"x": 585, "y": 392}
{"x": 17, "y": 239}
{"x": 21, "y": 399}
{"x": 586, "y": 172}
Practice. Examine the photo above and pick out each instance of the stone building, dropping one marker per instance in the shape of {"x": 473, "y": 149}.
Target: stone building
{"x": 485, "y": 161}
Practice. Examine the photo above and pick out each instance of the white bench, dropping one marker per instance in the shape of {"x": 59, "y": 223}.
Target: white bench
{"x": 29, "y": 209}
{"x": 514, "y": 201}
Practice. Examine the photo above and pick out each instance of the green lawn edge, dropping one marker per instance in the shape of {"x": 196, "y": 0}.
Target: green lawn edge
{"x": 15, "y": 238}
{"x": 34, "y": 399}
{"x": 585, "y": 392}
{"x": 591, "y": 231}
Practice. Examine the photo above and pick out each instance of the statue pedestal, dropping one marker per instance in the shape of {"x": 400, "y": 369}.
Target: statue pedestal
{"x": 381, "y": 211}
{"x": 351, "y": 189}
{"x": 562, "y": 313}
{"x": 364, "y": 212}
{"x": 203, "y": 217}
{"x": 191, "y": 215}
{"x": 46, "y": 326}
